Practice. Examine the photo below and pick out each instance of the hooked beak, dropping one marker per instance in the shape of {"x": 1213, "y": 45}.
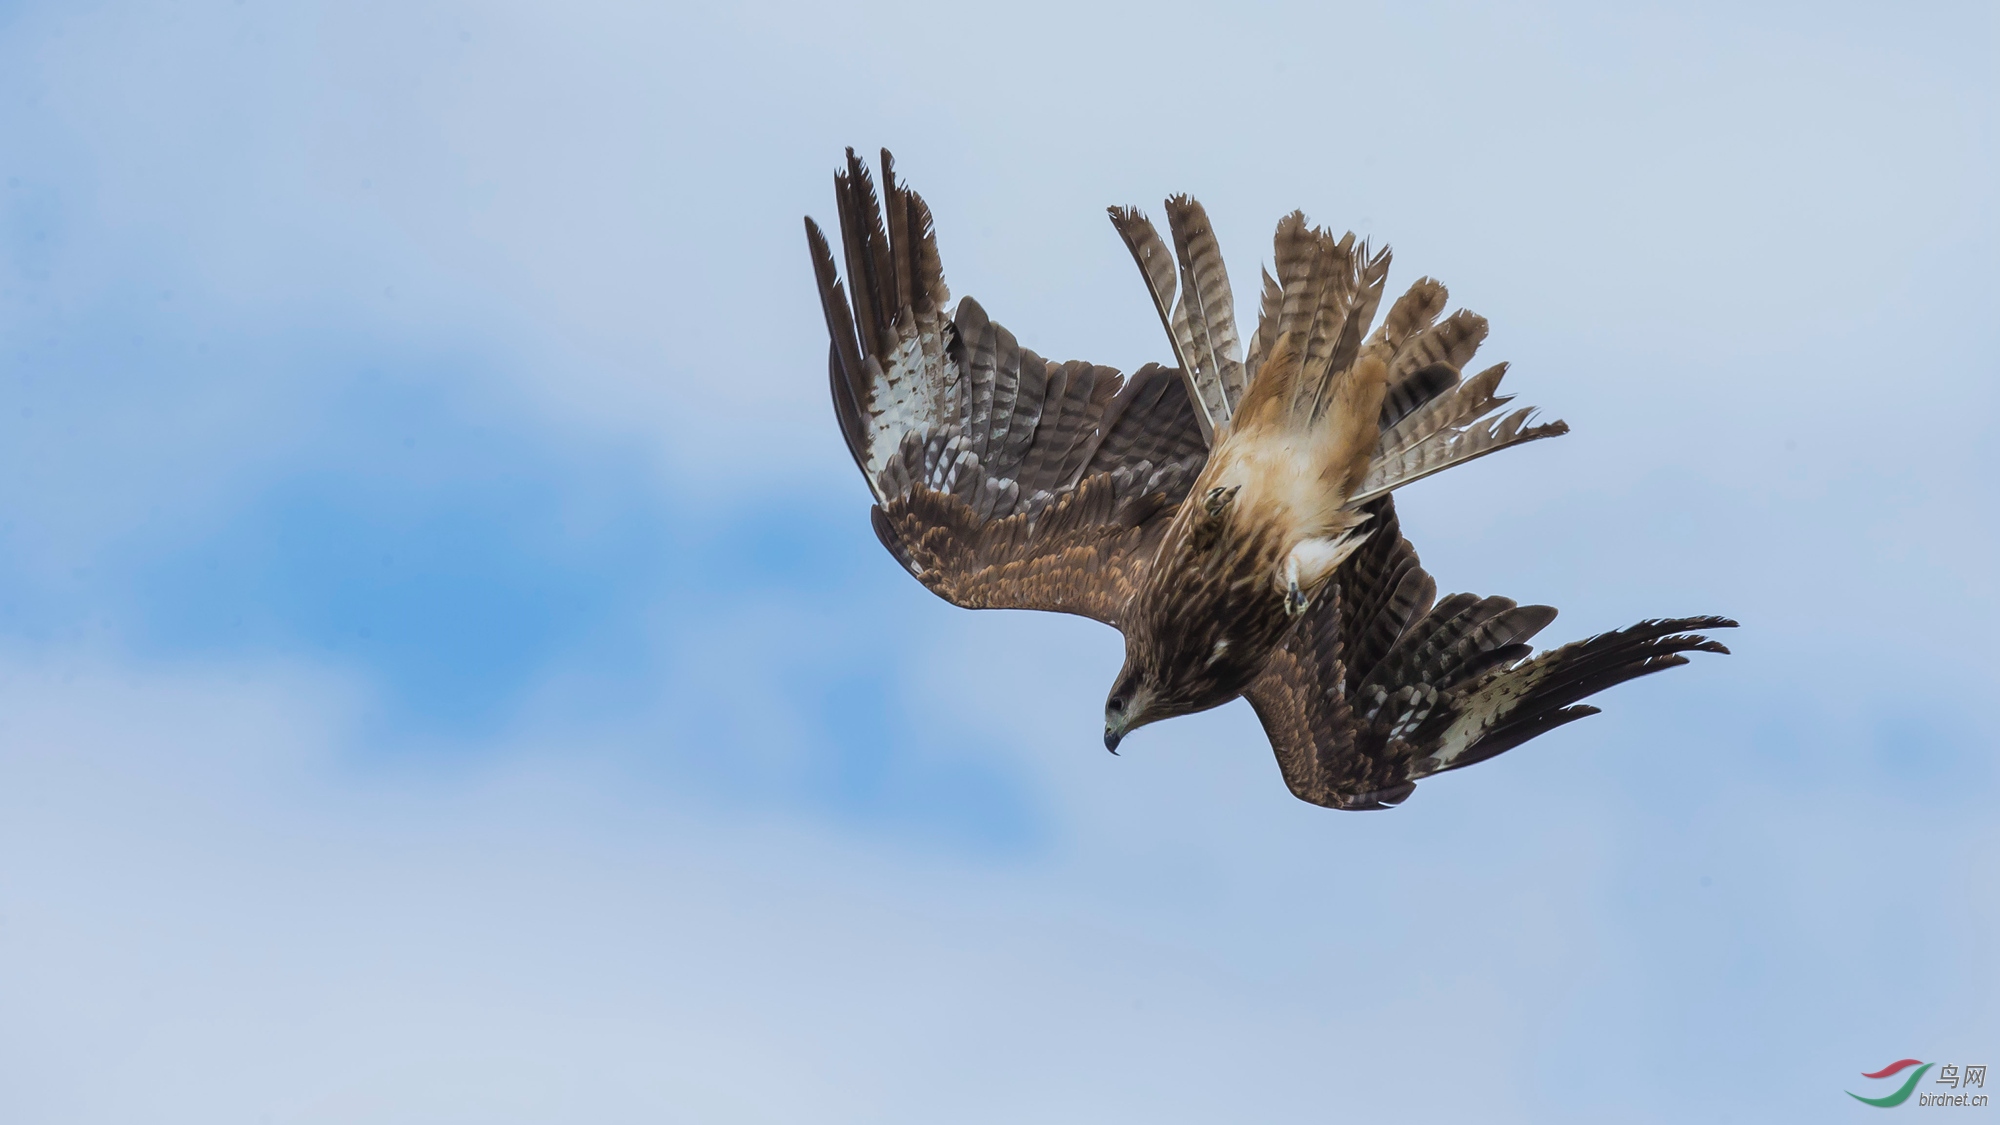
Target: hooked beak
{"x": 1113, "y": 736}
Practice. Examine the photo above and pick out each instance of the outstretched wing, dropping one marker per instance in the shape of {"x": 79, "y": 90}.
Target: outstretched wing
{"x": 1001, "y": 480}
{"x": 1378, "y": 687}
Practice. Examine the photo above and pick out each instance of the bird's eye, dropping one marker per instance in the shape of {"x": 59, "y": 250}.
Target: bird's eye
{"x": 1117, "y": 703}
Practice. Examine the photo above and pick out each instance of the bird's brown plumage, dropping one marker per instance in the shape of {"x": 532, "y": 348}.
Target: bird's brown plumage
{"x": 1230, "y": 514}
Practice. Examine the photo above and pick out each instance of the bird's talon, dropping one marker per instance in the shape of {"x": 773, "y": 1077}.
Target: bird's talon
{"x": 1295, "y": 600}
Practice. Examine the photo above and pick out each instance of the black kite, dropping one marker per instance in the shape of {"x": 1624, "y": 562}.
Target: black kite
{"x": 1230, "y": 514}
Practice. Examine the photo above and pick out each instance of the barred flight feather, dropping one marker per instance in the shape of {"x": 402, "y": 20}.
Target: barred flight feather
{"x": 1207, "y": 307}
{"x": 1157, "y": 265}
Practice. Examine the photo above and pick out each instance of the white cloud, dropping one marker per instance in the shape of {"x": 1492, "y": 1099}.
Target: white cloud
{"x": 215, "y": 905}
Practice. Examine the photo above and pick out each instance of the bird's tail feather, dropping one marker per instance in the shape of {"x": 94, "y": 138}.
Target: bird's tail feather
{"x": 1376, "y": 411}
{"x": 1316, "y": 376}
{"x": 1454, "y": 426}
{"x": 1201, "y": 325}
{"x": 1315, "y": 386}
{"x": 1324, "y": 297}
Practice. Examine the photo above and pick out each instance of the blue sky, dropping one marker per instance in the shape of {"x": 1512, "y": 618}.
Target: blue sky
{"x": 446, "y": 672}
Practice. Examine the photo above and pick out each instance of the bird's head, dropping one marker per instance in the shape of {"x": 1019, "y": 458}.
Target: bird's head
{"x": 1125, "y": 709}
{"x": 1144, "y": 694}
{"x": 1171, "y": 673}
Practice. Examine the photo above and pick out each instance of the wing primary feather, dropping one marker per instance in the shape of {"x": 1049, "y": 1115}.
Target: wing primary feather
{"x": 901, "y": 246}
{"x": 865, "y": 242}
{"x": 1512, "y": 704}
{"x": 844, "y": 367}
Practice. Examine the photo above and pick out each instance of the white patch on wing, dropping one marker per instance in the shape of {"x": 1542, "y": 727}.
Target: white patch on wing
{"x": 1484, "y": 708}
{"x": 1316, "y": 558}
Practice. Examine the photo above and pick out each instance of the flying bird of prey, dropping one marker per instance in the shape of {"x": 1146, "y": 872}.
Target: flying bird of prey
{"x": 1232, "y": 513}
